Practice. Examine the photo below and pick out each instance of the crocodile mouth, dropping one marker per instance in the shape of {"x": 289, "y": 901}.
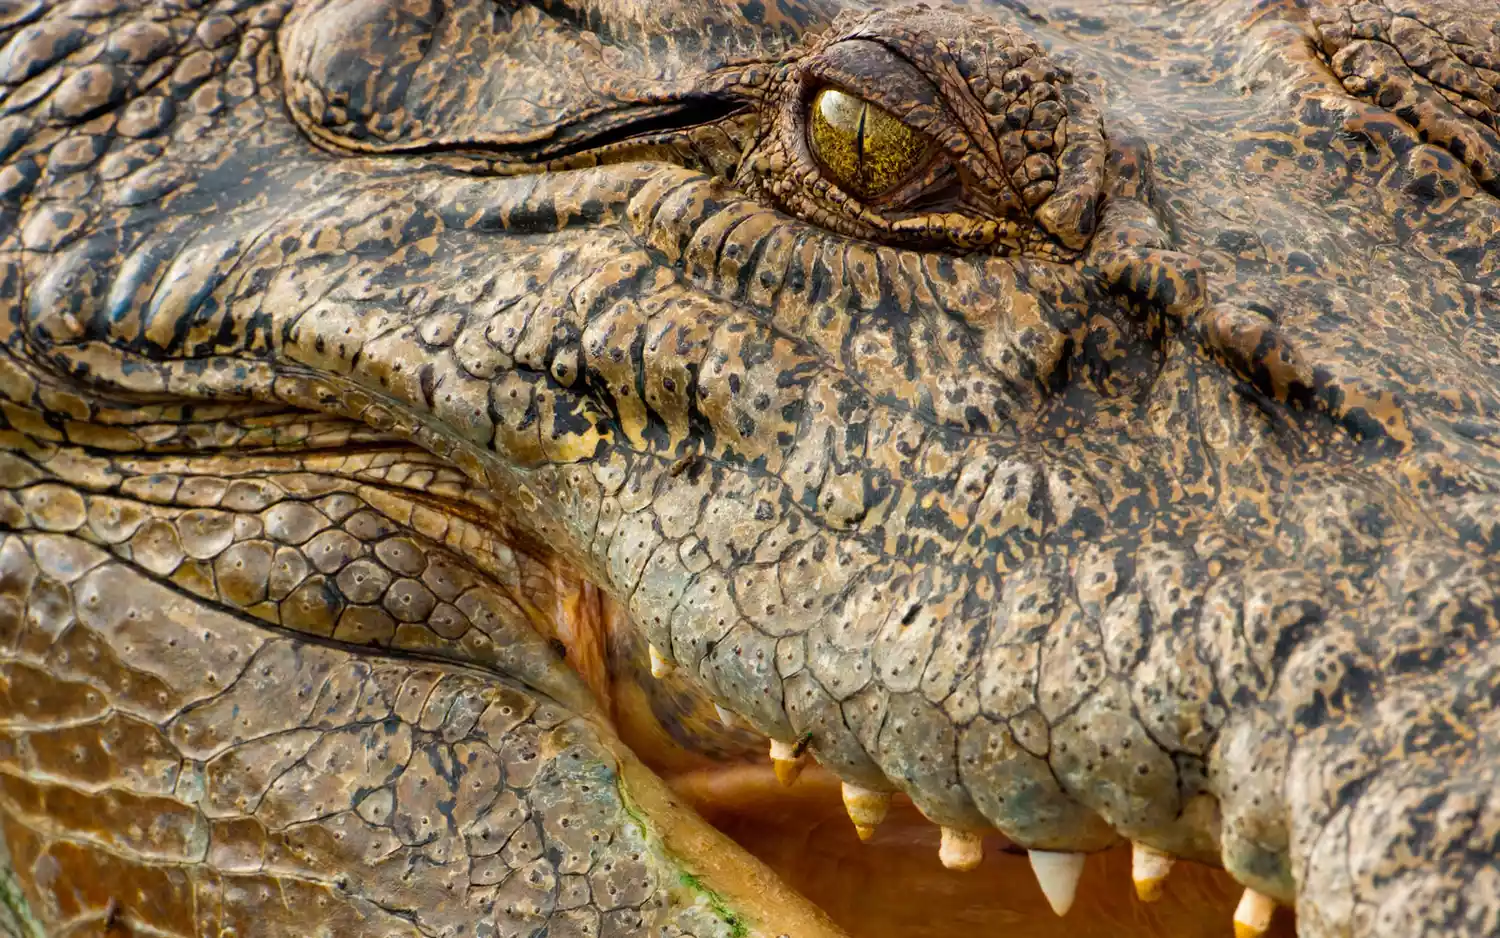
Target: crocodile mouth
{"x": 891, "y": 884}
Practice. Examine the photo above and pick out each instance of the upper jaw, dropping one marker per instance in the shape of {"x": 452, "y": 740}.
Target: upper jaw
{"x": 1045, "y": 510}
{"x": 1224, "y": 615}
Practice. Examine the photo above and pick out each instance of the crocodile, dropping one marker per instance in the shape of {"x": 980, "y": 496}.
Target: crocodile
{"x": 532, "y": 467}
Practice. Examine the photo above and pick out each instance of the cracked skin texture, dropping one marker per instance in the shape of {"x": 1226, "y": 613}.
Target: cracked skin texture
{"x": 378, "y": 380}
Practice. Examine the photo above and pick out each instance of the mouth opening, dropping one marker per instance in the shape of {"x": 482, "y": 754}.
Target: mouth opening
{"x": 892, "y": 885}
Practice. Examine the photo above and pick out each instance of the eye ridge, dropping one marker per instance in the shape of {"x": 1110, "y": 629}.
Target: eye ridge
{"x": 864, "y": 149}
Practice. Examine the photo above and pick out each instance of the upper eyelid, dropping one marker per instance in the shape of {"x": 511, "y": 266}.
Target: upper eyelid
{"x": 872, "y": 72}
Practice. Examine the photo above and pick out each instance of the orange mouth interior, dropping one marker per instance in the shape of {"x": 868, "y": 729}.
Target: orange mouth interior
{"x": 892, "y": 886}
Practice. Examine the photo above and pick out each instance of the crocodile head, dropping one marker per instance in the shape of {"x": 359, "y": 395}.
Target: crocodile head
{"x": 445, "y": 445}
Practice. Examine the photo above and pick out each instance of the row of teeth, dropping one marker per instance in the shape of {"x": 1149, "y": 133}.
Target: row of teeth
{"x": 1057, "y": 873}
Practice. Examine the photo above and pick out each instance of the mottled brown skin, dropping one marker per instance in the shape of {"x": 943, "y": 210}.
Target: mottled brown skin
{"x": 1136, "y": 482}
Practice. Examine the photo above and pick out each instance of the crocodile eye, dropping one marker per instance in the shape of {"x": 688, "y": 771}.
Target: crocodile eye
{"x": 866, "y": 150}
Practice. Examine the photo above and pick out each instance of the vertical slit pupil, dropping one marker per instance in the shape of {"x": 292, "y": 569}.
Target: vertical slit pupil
{"x": 859, "y": 145}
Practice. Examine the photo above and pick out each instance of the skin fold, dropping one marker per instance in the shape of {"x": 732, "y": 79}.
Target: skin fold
{"x": 444, "y": 444}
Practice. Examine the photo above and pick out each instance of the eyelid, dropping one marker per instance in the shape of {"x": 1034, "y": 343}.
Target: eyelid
{"x": 870, "y": 71}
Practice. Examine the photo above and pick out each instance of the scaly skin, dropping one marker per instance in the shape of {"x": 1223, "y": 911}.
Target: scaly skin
{"x": 1153, "y": 498}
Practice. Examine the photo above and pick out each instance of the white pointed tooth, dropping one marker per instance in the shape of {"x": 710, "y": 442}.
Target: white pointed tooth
{"x": 726, "y": 717}
{"x": 783, "y": 751}
{"x": 1149, "y": 868}
{"x": 660, "y": 666}
{"x": 961, "y": 850}
{"x": 866, "y": 808}
{"x": 1057, "y": 874}
{"x": 1252, "y": 918}
{"x": 786, "y": 761}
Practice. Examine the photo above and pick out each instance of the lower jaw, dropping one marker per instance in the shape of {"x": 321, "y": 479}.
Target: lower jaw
{"x": 893, "y": 885}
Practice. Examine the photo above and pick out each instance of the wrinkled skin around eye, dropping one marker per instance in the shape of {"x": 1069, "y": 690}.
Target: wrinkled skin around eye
{"x": 1016, "y": 160}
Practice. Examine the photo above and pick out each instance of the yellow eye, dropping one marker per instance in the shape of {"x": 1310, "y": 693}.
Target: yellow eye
{"x": 866, "y": 150}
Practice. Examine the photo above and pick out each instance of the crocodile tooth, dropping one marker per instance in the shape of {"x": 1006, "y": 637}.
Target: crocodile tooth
{"x": 1149, "y": 868}
{"x": 660, "y": 666}
{"x": 866, "y": 808}
{"x": 961, "y": 850}
{"x": 727, "y": 717}
{"x": 1252, "y": 918}
{"x": 1057, "y": 874}
{"x": 786, "y": 760}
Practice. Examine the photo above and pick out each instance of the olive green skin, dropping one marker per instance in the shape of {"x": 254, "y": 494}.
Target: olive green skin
{"x": 1143, "y": 489}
